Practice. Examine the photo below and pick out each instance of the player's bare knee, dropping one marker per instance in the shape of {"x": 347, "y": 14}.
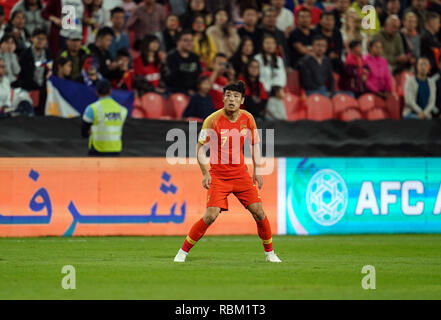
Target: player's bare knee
{"x": 211, "y": 215}
{"x": 259, "y": 215}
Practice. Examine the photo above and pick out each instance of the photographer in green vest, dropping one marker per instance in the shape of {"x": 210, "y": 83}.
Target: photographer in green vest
{"x": 103, "y": 122}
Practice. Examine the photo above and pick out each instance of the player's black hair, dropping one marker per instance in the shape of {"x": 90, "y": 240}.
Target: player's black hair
{"x": 103, "y": 87}
{"x": 116, "y": 10}
{"x": 105, "y": 31}
{"x": 238, "y": 86}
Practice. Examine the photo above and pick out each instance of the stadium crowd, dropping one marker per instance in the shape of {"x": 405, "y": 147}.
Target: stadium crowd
{"x": 196, "y": 47}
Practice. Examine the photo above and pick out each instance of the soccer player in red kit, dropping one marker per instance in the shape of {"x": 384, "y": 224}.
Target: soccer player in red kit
{"x": 225, "y": 132}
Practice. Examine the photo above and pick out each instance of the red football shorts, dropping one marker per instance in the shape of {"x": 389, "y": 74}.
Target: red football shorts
{"x": 243, "y": 188}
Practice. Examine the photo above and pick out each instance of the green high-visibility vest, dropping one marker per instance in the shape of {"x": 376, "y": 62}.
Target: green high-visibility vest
{"x": 108, "y": 120}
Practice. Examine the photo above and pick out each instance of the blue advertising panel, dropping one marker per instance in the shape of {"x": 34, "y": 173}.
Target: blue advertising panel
{"x": 359, "y": 195}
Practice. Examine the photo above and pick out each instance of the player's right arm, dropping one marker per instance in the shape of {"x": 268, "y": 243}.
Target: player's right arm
{"x": 203, "y": 161}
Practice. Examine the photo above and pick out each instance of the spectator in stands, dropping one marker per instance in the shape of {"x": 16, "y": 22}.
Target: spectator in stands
{"x": 148, "y": 18}
{"x": 90, "y": 74}
{"x": 195, "y": 7}
{"x": 2, "y": 22}
{"x": 5, "y": 91}
{"x": 63, "y": 68}
{"x": 309, "y": 5}
{"x": 285, "y": 18}
{"x": 430, "y": 45}
{"x": 301, "y": 38}
{"x": 255, "y": 94}
{"x": 392, "y": 7}
{"x": 129, "y": 7}
{"x": 339, "y": 12}
{"x": 269, "y": 22}
{"x": 34, "y": 66}
{"x": 203, "y": 43}
{"x": 243, "y": 54}
{"x": 99, "y": 17}
{"x": 182, "y": 66}
{"x": 16, "y": 28}
{"x": 218, "y": 79}
{"x": 10, "y": 59}
{"x": 224, "y": 33}
{"x": 437, "y": 78}
{"x": 355, "y": 70}
{"x": 358, "y": 7}
{"x": 95, "y": 127}
{"x": 326, "y": 28}
{"x": 178, "y": 7}
{"x": 275, "y": 108}
{"x": 410, "y": 36}
{"x": 123, "y": 75}
{"x": 419, "y": 8}
{"x": 52, "y": 13}
{"x": 420, "y": 93}
{"x": 316, "y": 69}
{"x": 351, "y": 30}
{"x": 215, "y": 5}
{"x": 147, "y": 67}
{"x": 272, "y": 68}
{"x": 201, "y": 103}
{"x": 100, "y": 51}
{"x": 167, "y": 37}
{"x": 250, "y": 29}
{"x": 379, "y": 80}
{"x": 76, "y": 53}
{"x": 393, "y": 49}
{"x": 121, "y": 40}
{"x": 32, "y": 11}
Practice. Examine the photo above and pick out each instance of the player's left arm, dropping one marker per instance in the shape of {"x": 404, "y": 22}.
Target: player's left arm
{"x": 255, "y": 152}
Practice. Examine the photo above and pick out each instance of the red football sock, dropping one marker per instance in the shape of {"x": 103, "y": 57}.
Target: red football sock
{"x": 264, "y": 231}
{"x": 196, "y": 232}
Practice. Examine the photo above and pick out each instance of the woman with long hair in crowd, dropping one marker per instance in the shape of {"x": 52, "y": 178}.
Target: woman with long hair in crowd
{"x": 32, "y": 11}
{"x": 243, "y": 54}
{"x": 203, "y": 44}
{"x": 195, "y": 7}
{"x": 272, "y": 68}
{"x": 255, "y": 95}
{"x": 16, "y": 27}
{"x": 7, "y": 53}
{"x": 224, "y": 33}
{"x": 147, "y": 67}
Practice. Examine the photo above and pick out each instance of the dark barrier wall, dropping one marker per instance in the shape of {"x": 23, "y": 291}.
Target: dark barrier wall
{"x": 51, "y": 136}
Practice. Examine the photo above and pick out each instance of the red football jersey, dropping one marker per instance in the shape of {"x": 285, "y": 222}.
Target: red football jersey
{"x": 226, "y": 140}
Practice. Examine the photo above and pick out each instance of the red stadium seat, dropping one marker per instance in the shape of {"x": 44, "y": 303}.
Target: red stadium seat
{"x": 343, "y": 102}
{"x": 293, "y": 82}
{"x": 369, "y": 101}
{"x": 336, "y": 81}
{"x": 318, "y": 108}
{"x": 177, "y": 104}
{"x": 376, "y": 114}
{"x": 194, "y": 119}
{"x": 294, "y": 110}
{"x": 400, "y": 81}
{"x": 35, "y": 97}
{"x": 393, "y": 107}
{"x": 153, "y": 105}
{"x": 350, "y": 115}
{"x": 138, "y": 113}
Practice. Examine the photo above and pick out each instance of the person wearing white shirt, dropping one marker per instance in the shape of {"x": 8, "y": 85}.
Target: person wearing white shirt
{"x": 285, "y": 18}
{"x": 272, "y": 68}
{"x": 5, "y": 89}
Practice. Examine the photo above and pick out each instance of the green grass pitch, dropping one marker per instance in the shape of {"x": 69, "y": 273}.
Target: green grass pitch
{"x": 228, "y": 267}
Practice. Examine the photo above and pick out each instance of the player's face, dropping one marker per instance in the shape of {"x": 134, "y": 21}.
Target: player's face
{"x": 232, "y": 100}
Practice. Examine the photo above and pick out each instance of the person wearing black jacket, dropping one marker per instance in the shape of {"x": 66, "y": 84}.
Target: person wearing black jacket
{"x": 429, "y": 40}
{"x": 100, "y": 50}
{"x": 34, "y": 67}
{"x": 326, "y": 28}
{"x": 182, "y": 66}
{"x": 316, "y": 70}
